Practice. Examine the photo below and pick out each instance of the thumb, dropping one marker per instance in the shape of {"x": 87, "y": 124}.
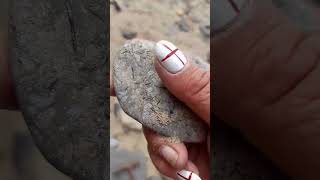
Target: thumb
{"x": 183, "y": 78}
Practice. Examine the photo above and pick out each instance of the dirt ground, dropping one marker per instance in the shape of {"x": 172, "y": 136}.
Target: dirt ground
{"x": 185, "y": 23}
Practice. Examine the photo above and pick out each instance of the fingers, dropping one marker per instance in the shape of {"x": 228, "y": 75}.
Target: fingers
{"x": 174, "y": 153}
{"x": 168, "y": 156}
{"x": 183, "y": 78}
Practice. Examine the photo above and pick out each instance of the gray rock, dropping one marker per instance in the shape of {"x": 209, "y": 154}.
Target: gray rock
{"x": 128, "y": 34}
{"x": 183, "y": 25}
{"x": 143, "y": 97}
{"x": 205, "y": 30}
{"x": 116, "y": 5}
{"x": 59, "y": 66}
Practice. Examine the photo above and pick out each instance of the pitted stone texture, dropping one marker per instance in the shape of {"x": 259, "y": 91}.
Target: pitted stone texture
{"x": 59, "y": 65}
{"x": 142, "y": 95}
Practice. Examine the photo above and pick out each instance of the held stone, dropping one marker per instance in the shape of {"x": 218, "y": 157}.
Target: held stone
{"x": 142, "y": 95}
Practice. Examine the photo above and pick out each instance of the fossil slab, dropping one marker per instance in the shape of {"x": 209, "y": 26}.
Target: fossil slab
{"x": 142, "y": 95}
{"x": 59, "y": 65}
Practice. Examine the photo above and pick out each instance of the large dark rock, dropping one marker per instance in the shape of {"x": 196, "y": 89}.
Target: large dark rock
{"x": 59, "y": 66}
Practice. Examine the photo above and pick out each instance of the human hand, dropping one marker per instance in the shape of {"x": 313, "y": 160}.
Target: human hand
{"x": 191, "y": 85}
{"x": 266, "y": 73}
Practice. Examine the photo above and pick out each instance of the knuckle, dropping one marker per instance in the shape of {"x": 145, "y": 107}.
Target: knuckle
{"x": 197, "y": 87}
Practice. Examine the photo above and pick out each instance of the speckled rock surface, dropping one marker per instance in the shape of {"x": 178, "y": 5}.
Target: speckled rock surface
{"x": 142, "y": 95}
{"x": 59, "y": 65}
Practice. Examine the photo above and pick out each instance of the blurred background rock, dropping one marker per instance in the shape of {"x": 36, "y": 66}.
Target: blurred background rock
{"x": 19, "y": 158}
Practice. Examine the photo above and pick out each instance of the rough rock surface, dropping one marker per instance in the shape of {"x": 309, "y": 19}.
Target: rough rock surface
{"x": 59, "y": 65}
{"x": 142, "y": 95}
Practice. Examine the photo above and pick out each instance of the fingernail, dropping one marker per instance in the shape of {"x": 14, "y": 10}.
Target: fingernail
{"x": 171, "y": 58}
{"x": 187, "y": 175}
{"x": 169, "y": 154}
{"x": 224, "y": 12}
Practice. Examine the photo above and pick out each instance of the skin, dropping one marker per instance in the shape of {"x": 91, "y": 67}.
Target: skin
{"x": 191, "y": 86}
{"x": 269, "y": 88}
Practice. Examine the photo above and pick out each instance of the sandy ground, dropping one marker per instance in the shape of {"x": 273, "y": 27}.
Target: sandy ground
{"x": 177, "y": 21}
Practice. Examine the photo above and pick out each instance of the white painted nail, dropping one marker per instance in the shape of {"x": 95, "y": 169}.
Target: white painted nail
{"x": 187, "y": 175}
{"x": 171, "y": 58}
{"x": 224, "y": 12}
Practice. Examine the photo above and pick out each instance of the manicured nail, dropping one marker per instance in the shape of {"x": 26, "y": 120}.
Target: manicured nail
{"x": 171, "y": 58}
{"x": 224, "y": 12}
{"x": 187, "y": 175}
{"x": 169, "y": 154}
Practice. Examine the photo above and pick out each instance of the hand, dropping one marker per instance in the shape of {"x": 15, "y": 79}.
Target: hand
{"x": 192, "y": 86}
{"x": 267, "y": 85}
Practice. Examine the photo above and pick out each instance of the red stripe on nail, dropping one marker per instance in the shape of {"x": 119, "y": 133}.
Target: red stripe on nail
{"x": 169, "y": 55}
{"x": 182, "y": 176}
{"x": 167, "y": 47}
{"x": 173, "y": 52}
{"x": 189, "y": 178}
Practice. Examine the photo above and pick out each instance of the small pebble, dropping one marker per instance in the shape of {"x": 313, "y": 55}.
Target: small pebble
{"x": 114, "y": 143}
{"x": 128, "y": 34}
{"x": 205, "y": 30}
{"x": 183, "y": 25}
{"x": 180, "y": 12}
{"x": 116, "y": 5}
